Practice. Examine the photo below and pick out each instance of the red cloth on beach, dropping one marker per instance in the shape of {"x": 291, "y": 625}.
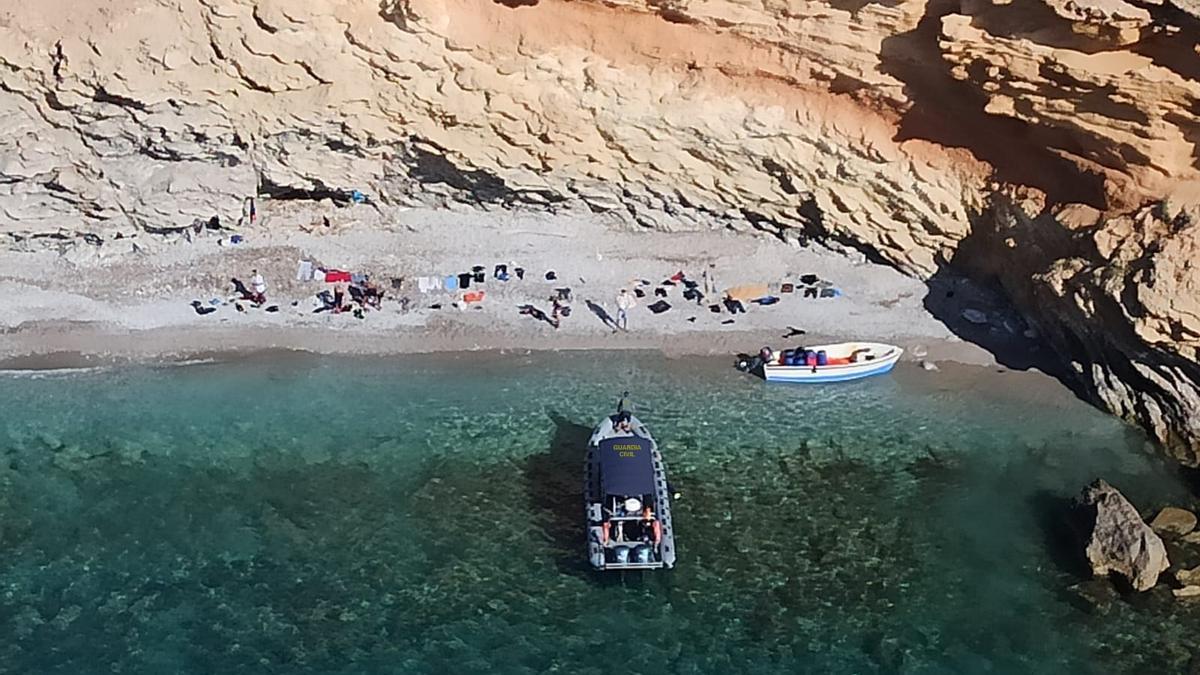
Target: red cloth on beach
{"x": 337, "y": 276}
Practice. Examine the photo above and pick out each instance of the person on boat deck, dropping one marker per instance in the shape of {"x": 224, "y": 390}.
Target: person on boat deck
{"x": 623, "y": 424}
{"x": 647, "y": 526}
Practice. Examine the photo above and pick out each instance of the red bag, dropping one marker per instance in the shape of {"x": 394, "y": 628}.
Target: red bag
{"x": 336, "y": 276}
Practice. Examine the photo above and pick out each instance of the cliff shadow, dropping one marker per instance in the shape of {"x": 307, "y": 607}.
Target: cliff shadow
{"x": 972, "y": 294}
{"x": 554, "y": 489}
{"x": 1190, "y": 475}
{"x": 1062, "y": 524}
{"x": 982, "y": 314}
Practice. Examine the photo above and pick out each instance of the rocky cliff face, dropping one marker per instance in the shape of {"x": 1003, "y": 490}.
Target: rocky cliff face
{"x": 1053, "y": 144}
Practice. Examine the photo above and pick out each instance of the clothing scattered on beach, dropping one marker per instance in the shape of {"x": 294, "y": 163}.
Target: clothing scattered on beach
{"x": 352, "y": 291}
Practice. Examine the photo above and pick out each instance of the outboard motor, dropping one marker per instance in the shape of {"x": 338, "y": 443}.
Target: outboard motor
{"x": 621, "y": 554}
{"x": 747, "y": 363}
{"x": 642, "y": 554}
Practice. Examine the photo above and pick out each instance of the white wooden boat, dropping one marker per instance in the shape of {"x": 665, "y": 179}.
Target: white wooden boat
{"x": 830, "y": 363}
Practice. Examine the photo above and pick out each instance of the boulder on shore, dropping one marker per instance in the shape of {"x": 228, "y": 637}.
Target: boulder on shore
{"x": 1120, "y": 541}
{"x": 1173, "y": 520}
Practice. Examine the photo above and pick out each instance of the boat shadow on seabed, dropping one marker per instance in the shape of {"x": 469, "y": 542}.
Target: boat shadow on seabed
{"x": 554, "y": 489}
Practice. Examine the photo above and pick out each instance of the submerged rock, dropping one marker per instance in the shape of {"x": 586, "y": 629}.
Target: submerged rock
{"x": 975, "y": 316}
{"x": 1120, "y": 541}
{"x": 1188, "y": 577}
{"x": 1186, "y": 592}
{"x": 1173, "y": 520}
{"x": 1094, "y": 596}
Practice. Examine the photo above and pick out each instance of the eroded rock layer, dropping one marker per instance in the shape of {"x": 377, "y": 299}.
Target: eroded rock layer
{"x": 1056, "y": 141}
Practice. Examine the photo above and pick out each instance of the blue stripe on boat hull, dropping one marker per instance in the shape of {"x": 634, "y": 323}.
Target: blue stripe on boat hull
{"x": 807, "y": 375}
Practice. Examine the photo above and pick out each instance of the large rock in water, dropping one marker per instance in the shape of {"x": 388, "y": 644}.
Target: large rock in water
{"x": 1120, "y": 541}
{"x": 1174, "y": 520}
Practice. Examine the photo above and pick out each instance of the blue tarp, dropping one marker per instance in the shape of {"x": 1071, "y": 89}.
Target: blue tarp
{"x": 626, "y": 466}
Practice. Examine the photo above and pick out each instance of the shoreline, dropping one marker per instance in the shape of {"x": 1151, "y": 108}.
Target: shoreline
{"x": 89, "y": 345}
{"x": 962, "y": 367}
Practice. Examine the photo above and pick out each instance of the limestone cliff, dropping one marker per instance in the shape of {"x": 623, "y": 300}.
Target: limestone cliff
{"x": 1050, "y": 143}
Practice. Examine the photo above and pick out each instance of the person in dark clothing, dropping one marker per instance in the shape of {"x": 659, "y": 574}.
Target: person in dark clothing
{"x": 339, "y": 299}
{"x": 332, "y": 302}
{"x": 556, "y": 311}
{"x": 372, "y": 294}
{"x": 530, "y": 310}
{"x": 240, "y": 288}
{"x": 327, "y": 302}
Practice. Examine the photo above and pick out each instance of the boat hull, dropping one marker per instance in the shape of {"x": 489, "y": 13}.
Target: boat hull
{"x": 599, "y": 550}
{"x": 885, "y": 361}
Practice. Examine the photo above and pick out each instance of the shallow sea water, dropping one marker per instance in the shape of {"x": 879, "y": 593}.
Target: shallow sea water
{"x": 424, "y": 515}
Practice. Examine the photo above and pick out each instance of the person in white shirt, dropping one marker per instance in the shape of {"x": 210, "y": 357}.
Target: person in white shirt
{"x": 625, "y": 302}
{"x": 259, "y": 286}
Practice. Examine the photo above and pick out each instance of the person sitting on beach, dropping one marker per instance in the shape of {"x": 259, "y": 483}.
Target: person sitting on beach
{"x": 327, "y": 302}
{"x": 240, "y": 289}
{"x": 333, "y": 302}
{"x": 733, "y": 305}
{"x": 530, "y": 310}
{"x": 372, "y": 294}
{"x": 556, "y": 312}
{"x": 339, "y": 299}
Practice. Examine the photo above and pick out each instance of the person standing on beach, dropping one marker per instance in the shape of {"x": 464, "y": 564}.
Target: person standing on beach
{"x": 710, "y": 281}
{"x": 625, "y": 302}
{"x": 259, "y": 286}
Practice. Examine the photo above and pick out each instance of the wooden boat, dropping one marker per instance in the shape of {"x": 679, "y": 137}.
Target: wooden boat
{"x": 829, "y": 363}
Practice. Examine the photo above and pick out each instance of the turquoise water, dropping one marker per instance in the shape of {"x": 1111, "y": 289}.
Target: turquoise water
{"x": 416, "y": 515}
